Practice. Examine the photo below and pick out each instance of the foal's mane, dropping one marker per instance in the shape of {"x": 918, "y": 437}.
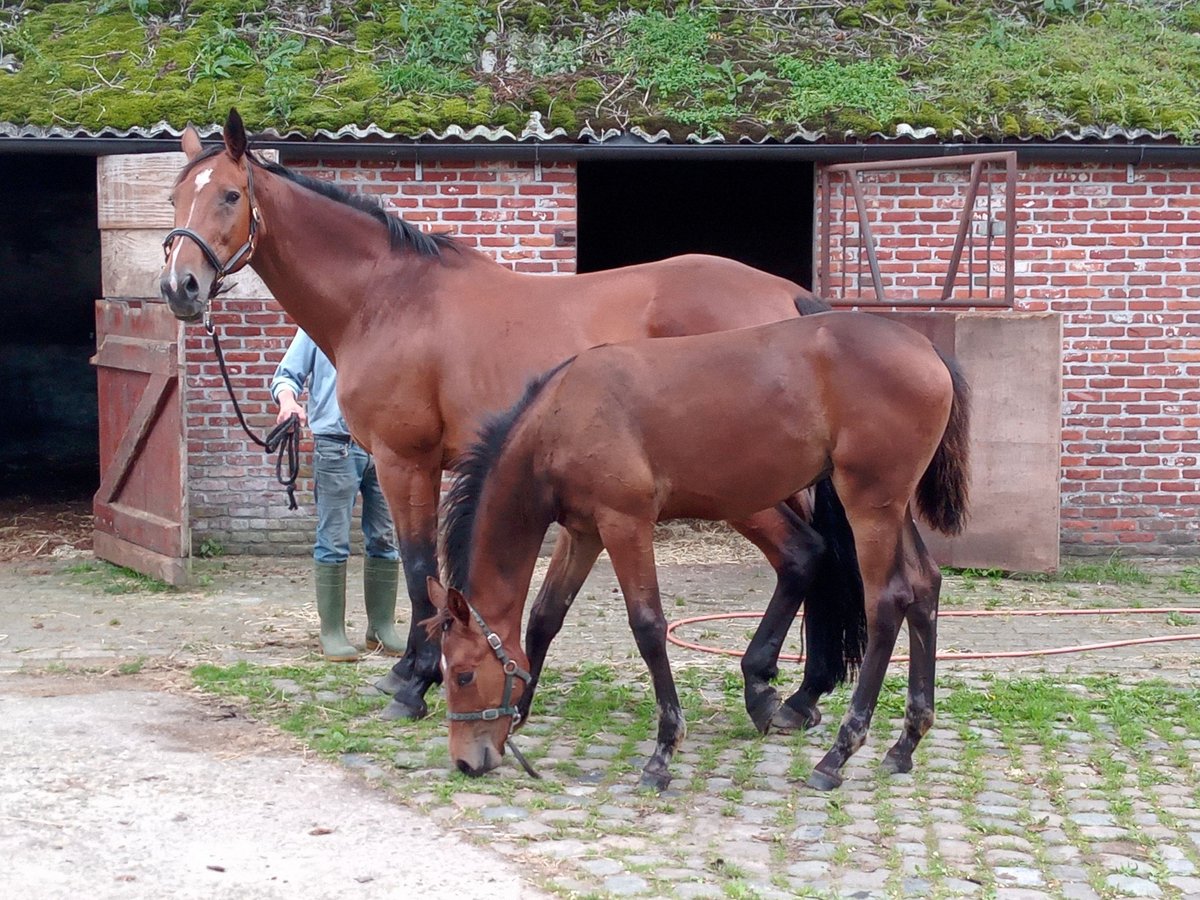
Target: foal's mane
{"x": 471, "y": 472}
{"x": 401, "y": 234}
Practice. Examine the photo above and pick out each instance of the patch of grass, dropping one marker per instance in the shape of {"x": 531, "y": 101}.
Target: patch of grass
{"x": 1113, "y": 570}
{"x": 111, "y": 579}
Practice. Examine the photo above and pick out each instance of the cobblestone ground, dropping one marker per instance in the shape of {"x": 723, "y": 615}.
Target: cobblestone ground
{"x": 1070, "y": 776}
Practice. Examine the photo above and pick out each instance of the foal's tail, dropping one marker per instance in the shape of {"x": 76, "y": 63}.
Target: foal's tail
{"x": 942, "y": 491}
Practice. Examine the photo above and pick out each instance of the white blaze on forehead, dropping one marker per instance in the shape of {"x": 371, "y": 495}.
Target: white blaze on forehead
{"x": 202, "y": 179}
{"x": 444, "y": 665}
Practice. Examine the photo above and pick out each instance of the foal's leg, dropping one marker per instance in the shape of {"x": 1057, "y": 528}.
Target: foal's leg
{"x": 630, "y": 543}
{"x": 922, "y": 639}
{"x": 411, "y": 487}
{"x": 574, "y": 556}
{"x": 792, "y": 549}
{"x": 877, "y": 531}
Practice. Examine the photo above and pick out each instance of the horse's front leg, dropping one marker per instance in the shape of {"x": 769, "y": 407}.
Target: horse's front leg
{"x": 411, "y": 487}
{"x": 630, "y": 544}
{"x": 574, "y": 556}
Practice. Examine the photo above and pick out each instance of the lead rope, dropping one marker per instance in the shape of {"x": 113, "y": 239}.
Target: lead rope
{"x": 284, "y": 438}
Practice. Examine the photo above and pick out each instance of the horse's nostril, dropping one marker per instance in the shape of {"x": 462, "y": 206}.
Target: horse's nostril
{"x": 191, "y": 287}
{"x": 467, "y": 769}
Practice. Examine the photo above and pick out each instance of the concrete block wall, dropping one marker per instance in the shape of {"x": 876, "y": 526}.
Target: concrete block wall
{"x": 508, "y": 210}
{"x": 1115, "y": 250}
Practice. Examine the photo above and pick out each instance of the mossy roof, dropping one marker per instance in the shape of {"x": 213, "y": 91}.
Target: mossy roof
{"x": 732, "y": 69}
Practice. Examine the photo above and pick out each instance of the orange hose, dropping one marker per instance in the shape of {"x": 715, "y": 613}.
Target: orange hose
{"x": 952, "y": 655}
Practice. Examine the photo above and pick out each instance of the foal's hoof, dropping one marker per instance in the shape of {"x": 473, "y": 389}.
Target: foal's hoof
{"x": 655, "y": 781}
{"x": 788, "y": 720}
{"x": 896, "y": 763}
{"x": 823, "y": 781}
{"x": 390, "y": 683}
{"x": 399, "y": 710}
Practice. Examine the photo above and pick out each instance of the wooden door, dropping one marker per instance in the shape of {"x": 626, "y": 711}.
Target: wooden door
{"x": 141, "y": 505}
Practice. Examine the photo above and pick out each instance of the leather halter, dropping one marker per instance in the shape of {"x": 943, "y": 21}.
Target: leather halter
{"x": 511, "y": 673}
{"x": 241, "y": 256}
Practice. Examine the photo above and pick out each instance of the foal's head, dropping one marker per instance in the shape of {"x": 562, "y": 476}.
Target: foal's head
{"x": 213, "y": 236}
{"x": 483, "y": 681}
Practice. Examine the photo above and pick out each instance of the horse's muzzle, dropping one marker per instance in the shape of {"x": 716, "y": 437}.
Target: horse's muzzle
{"x": 183, "y": 297}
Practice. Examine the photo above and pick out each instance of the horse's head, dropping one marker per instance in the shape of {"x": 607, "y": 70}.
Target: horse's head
{"x": 216, "y": 220}
{"x": 483, "y": 680}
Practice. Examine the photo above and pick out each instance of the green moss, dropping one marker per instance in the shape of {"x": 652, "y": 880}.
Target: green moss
{"x": 986, "y": 69}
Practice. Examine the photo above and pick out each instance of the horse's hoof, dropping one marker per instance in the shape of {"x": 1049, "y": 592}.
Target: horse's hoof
{"x": 389, "y": 684}
{"x": 896, "y": 764}
{"x": 398, "y": 710}
{"x": 655, "y": 781}
{"x": 787, "y": 720}
{"x": 764, "y": 712}
{"x": 823, "y": 781}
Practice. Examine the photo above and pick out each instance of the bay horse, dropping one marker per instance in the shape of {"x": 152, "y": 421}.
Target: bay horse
{"x": 713, "y": 426}
{"x": 428, "y": 335}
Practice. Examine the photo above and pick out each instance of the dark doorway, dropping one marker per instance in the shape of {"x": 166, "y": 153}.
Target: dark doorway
{"x": 760, "y": 213}
{"x": 50, "y": 257}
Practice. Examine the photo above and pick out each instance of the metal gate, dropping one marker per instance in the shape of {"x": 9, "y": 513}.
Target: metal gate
{"x": 141, "y": 506}
{"x": 933, "y": 243}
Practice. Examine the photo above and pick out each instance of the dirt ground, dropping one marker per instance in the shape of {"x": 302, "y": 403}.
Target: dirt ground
{"x": 118, "y": 779}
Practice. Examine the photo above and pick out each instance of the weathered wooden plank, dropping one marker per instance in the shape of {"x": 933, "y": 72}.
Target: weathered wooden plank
{"x": 132, "y": 191}
{"x": 137, "y": 355}
{"x": 171, "y": 569}
{"x": 137, "y": 430}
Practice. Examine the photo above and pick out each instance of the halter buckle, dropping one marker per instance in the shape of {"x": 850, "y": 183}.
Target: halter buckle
{"x": 489, "y": 715}
{"x": 493, "y": 640}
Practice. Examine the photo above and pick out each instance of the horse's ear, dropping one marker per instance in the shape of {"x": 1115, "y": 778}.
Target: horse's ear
{"x": 191, "y": 143}
{"x": 437, "y": 593}
{"x": 457, "y": 604}
{"x": 235, "y": 135}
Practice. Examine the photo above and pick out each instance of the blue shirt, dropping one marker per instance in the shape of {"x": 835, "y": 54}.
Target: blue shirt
{"x": 303, "y": 362}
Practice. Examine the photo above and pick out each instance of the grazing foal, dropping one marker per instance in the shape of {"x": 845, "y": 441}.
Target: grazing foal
{"x": 715, "y": 426}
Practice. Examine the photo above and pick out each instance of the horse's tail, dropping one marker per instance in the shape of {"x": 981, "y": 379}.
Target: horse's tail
{"x": 942, "y": 491}
{"x": 835, "y": 613}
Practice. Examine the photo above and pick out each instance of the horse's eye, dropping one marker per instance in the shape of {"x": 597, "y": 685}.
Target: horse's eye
{"x": 464, "y": 678}
{"x": 232, "y": 197}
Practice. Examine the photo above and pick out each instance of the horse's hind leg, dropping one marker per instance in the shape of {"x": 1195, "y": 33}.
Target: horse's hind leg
{"x": 630, "y": 544}
{"x": 574, "y": 556}
{"x": 877, "y": 531}
{"x": 922, "y": 634}
{"x": 792, "y": 548}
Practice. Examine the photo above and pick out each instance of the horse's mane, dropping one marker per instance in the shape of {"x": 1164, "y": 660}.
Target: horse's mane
{"x": 401, "y": 234}
{"x": 471, "y": 472}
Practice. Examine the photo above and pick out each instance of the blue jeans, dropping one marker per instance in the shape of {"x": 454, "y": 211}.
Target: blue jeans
{"x": 340, "y": 472}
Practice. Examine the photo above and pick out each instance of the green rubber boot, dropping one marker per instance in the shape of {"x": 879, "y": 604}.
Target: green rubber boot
{"x": 381, "y": 579}
{"x": 331, "y": 608}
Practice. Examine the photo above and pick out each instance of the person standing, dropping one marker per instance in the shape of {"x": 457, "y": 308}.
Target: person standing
{"x": 341, "y": 471}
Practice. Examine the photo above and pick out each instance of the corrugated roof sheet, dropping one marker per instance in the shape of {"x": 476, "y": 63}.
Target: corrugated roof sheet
{"x": 535, "y": 132}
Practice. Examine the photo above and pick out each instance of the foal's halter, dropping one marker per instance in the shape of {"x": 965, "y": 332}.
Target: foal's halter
{"x": 511, "y": 673}
{"x": 240, "y": 257}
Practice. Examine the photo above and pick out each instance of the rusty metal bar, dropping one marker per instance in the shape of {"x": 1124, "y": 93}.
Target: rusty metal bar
{"x": 1010, "y": 229}
{"x": 868, "y": 237}
{"x": 961, "y": 237}
{"x": 826, "y": 223}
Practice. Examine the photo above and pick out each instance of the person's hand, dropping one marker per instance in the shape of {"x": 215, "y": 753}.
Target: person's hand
{"x": 289, "y": 407}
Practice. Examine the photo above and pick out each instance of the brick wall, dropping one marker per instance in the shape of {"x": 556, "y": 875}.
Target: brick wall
{"x": 1116, "y": 251}
{"x": 508, "y": 210}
